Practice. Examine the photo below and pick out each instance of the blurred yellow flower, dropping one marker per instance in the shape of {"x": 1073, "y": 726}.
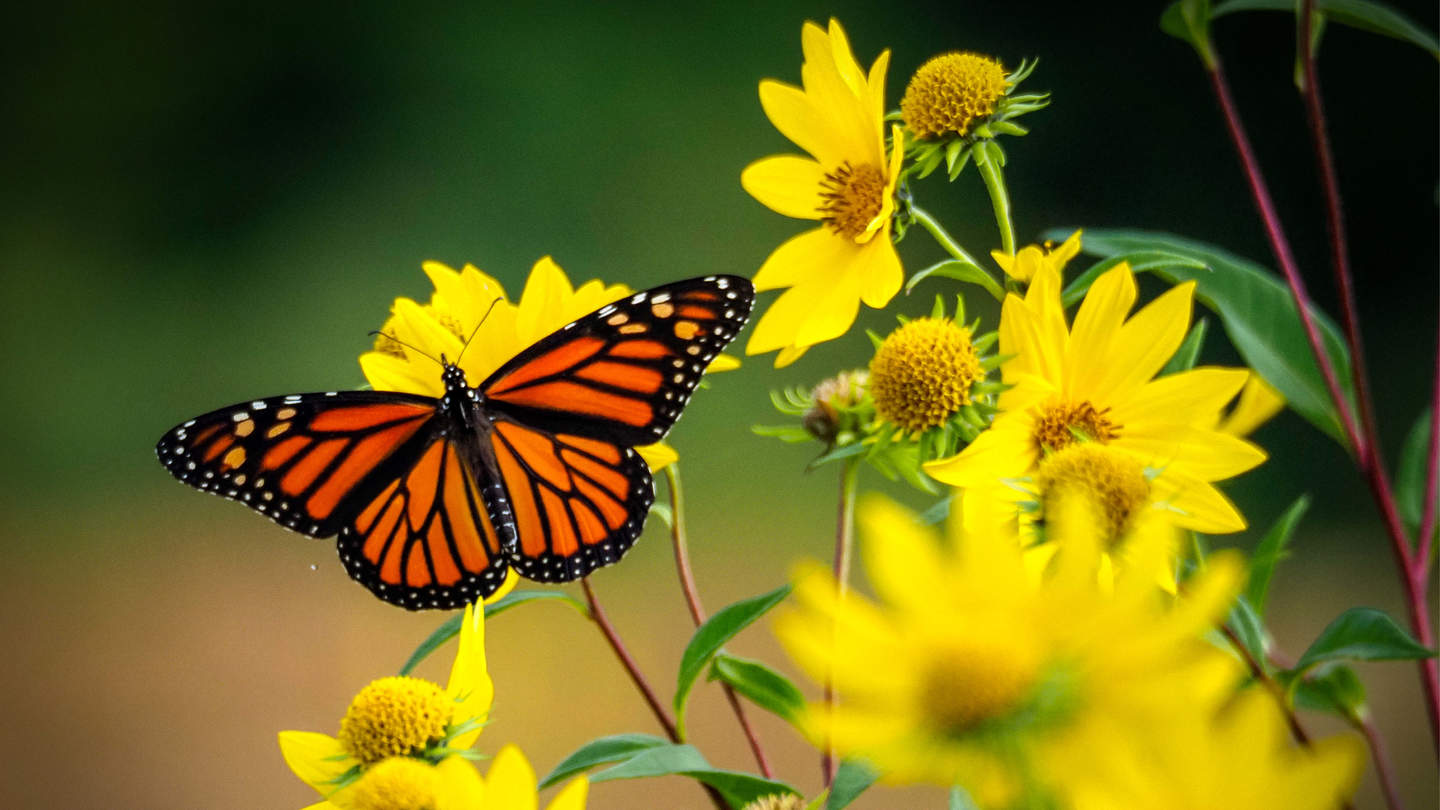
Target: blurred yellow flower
{"x": 973, "y": 670}
{"x": 1030, "y": 259}
{"x": 848, "y": 184}
{"x": 396, "y": 718}
{"x": 1240, "y": 760}
{"x": 1095, "y": 382}
{"x": 461, "y": 299}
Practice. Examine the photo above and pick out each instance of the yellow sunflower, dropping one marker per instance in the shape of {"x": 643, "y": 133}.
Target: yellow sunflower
{"x": 402, "y": 718}
{"x": 848, "y": 184}
{"x": 972, "y": 670}
{"x": 1095, "y": 382}
{"x": 399, "y": 361}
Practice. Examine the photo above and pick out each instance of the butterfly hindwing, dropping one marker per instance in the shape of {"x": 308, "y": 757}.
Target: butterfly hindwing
{"x": 578, "y": 503}
{"x": 428, "y": 538}
{"x": 302, "y": 459}
{"x": 624, "y": 372}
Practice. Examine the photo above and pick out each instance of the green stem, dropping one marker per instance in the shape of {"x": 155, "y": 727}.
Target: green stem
{"x": 941, "y": 236}
{"x": 999, "y": 198}
{"x": 844, "y": 549}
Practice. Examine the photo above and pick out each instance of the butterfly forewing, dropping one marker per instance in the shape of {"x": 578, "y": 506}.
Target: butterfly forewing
{"x": 302, "y": 460}
{"x": 624, "y": 372}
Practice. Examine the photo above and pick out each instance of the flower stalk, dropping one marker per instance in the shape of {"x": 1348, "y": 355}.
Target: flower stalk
{"x": 989, "y": 161}
{"x": 844, "y": 552}
{"x": 697, "y": 610}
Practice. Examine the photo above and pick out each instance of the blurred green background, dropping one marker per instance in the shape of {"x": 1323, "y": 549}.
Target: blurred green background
{"x": 205, "y": 203}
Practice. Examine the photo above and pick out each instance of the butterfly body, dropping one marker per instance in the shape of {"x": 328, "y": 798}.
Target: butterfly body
{"x": 433, "y": 499}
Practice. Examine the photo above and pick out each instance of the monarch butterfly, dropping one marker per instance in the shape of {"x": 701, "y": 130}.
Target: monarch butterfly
{"x": 535, "y": 468}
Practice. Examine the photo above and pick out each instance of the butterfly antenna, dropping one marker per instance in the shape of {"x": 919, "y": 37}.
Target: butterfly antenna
{"x": 416, "y": 349}
{"x": 476, "y": 331}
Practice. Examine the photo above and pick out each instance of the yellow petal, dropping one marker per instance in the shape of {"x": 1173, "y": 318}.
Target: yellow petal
{"x": 795, "y": 116}
{"x": 829, "y": 76}
{"x": 777, "y": 328}
{"x": 461, "y": 787}
{"x": 1198, "y": 505}
{"x": 512, "y": 577}
{"x": 1206, "y": 454}
{"x": 470, "y": 686}
{"x": 1190, "y": 397}
{"x": 1258, "y": 402}
{"x": 789, "y": 354}
{"x": 546, "y": 291}
{"x": 902, "y": 558}
{"x": 318, "y": 759}
{"x": 833, "y": 308}
{"x": 658, "y": 456}
{"x": 1004, "y": 451}
{"x": 386, "y": 372}
{"x": 787, "y": 185}
{"x": 1097, "y": 326}
{"x": 880, "y": 273}
{"x": 1146, "y": 343}
{"x": 572, "y": 796}
{"x": 723, "y": 362}
{"x": 510, "y": 784}
{"x": 805, "y": 258}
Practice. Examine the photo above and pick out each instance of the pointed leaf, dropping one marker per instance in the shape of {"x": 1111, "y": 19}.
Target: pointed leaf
{"x": 1334, "y": 690}
{"x": 1258, "y": 313}
{"x": 1362, "y": 634}
{"x": 1246, "y": 625}
{"x": 853, "y": 777}
{"x": 960, "y": 271}
{"x": 1361, "y": 14}
{"x": 1140, "y": 261}
{"x": 1189, "y": 351}
{"x": 1410, "y": 475}
{"x": 739, "y": 789}
{"x": 764, "y": 686}
{"x": 1271, "y": 551}
{"x": 711, "y": 636}
{"x": 601, "y": 751}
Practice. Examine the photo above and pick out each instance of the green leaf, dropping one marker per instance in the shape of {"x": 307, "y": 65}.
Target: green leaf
{"x": 1271, "y": 551}
{"x": 711, "y": 636}
{"x": 1189, "y": 21}
{"x": 1189, "y": 351}
{"x": 1361, "y": 634}
{"x": 843, "y": 451}
{"x": 662, "y": 513}
{"x": 1246, "y": 624}
{"x": 764, "y": 686}
{"x": 1140, "y": 262}
{"x": 601, "y": 751}
{"x": 738, "y": 789}
{"x": 1258, "y": 313}
{"x": 1333, "y": 689}
{"x": 1410, "y": 475}
{"x": 960, "y": 271}
{"x": 1361, "y": 14}
{"x": 853, "y": 777}
{"x": 960, "y": 799}
{"x": 450, "y": 628}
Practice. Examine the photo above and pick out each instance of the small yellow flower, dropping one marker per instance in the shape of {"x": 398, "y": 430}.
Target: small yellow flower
{"x": 848, "y": 184}
{"x": 1095, "y": 381}
{"x": 1030, "y": 259}
{"x": 461, "y": 299}
{"x": 951, "y": 92}
{"x": 973, "y": 670}
{"x": 922, "y": 373}
{"x": 400, "y": 717}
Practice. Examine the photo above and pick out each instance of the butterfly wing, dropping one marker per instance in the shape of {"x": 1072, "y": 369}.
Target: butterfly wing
{"x": 624, "y": 372}
{"x": 567, "y": 412}
{"x": 377, "y": 468}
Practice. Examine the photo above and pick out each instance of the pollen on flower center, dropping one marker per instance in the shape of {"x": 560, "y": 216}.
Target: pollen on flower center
{"x": 978, "y": 680}
{"x": 951, "y": 92}
{"x": 853, "y": 198}
{"x": 922, "y": 373}
{"x": 1058, "y": 424}
{"x": 393, "y": 717}
{"x": 397, "y": 783}
{"x": 1113, "y": 483}
{"x": 777, "y": 801}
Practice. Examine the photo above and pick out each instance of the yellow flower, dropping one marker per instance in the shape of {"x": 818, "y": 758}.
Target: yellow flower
{"x": 1095, "y": 381}
{"x": 1240, "y": 760}
{"x": 511, "y": 785}
{"x": 1024, "y": 265}
{"x": 404, "y": 718}
{"x": 974, "y": 671}
{"x": 951, "y": 92}
{"x": 848, "y": 184}
{"x": 461, "y": 299}
{"x": 922, "y": 373}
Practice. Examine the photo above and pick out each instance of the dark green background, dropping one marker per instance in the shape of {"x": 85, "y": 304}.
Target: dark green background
{"x": 205, "y": 203}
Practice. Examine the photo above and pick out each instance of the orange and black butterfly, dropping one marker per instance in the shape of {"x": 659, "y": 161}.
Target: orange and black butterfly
{"x": 535, "y": 468}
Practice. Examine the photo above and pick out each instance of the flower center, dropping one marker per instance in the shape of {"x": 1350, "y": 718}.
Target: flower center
{"x": 853, "y": 198}
{"x": 1060, "y": 424}
{"x": 397, "y": 783}
{"x": 1113, "y": 484}
{"x": 922, "y": 373}
{"x": 951, "y": 92}
{"x": 977, "y": 681}
{"x": 777, "y": 801}
{"x": 393, "y": 717}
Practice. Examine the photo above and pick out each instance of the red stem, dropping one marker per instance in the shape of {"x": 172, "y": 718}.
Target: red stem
{"x": 1420, "y": 567}
{"x": 597, "y": 614}
{"x": 1384, "y": 773}
{"x": 697, "y": 610}
{"x": 1368, "y": 454}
